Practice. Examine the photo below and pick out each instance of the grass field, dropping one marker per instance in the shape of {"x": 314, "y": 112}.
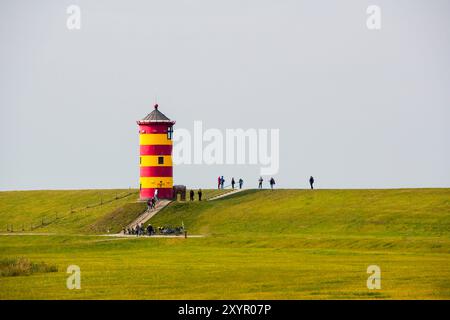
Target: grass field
{"x": 283, "y": 244}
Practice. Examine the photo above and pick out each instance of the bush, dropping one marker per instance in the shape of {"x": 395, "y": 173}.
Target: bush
{"x": 23, "y": 267}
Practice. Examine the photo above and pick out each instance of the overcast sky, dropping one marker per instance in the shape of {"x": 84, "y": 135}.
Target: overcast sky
{"x": 356, "y": 108}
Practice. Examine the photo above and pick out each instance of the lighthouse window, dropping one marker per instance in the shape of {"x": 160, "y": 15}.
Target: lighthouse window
{"x": 169, "y": 133}
{"x": 160, "y": 160}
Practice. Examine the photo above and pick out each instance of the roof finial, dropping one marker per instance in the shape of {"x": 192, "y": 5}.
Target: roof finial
{"x": 156, "y": 106}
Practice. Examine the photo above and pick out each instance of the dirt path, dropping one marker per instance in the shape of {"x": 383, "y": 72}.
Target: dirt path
{"x": 225, "y": 195}
{"x": 112, "y": 235}
{"x": 121, "y": 235}
{"x": 147, "y": 215}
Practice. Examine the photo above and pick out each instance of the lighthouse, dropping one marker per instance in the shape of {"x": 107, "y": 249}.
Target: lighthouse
{"x": 155, "y": 161}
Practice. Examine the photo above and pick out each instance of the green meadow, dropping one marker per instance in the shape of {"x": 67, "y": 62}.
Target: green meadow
{"x": 256, "y": 244}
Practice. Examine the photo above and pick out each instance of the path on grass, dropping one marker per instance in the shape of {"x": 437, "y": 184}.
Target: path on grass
{"x": 112, "y": 235}
{"x": 147, "y": 215}
{"x": 220, "y": 196}
{"x": 121, "y": 235}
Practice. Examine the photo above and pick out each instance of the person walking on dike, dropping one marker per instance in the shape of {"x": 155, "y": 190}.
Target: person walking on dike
{"x": 232, "y": 183}
{"x": 241, "y": 182}
{"x": 311, "y": 182}
{"x": 219, "y": 182}
{"x": 272, "y": 183}
{"x": 137, "y": 230}
{"x": 200, "y": 194}
{"x": 149, "y": 230}
{"x": 153, "y": 203}
{"x": 191, "y": 195}
{"x": 222, "y": 182}
{"x": 260, "y": 182}
{"x": 149, "y": 204}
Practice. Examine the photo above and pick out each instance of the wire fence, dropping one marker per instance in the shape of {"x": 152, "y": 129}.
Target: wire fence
{"x": 47, "y": 219}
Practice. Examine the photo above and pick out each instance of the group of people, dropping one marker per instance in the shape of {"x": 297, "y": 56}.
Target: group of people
{"x": 139, "y": 230}
{"x": 221, "y": 183}
{"x": 151, "y": 203}
{"x": 192, "y": 194}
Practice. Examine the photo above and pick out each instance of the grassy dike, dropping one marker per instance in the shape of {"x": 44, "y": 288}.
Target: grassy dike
{"x": 283, "y": 244}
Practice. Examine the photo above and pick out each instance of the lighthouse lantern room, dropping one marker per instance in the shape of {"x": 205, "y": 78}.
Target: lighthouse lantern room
{"x": 155, "y": 142}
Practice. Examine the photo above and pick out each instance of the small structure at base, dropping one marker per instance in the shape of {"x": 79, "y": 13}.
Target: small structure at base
{"x": 179, "y": 190}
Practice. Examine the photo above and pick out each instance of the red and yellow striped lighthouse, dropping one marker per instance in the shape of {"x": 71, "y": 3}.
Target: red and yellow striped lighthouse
{"x": 155, "y": 140}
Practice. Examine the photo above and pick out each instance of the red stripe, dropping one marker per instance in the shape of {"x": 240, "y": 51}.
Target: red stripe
{"x": 153, "y": 128}
{"x": 156, "y": 171}
{"x": 159, "y": 150}
{"x": 163, "y": 193}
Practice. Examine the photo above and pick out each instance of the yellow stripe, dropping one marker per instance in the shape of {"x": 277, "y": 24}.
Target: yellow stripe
{"x": 152, "y": 161}
{"x": 157, "y": 139}
{"x": 156, "y": 182}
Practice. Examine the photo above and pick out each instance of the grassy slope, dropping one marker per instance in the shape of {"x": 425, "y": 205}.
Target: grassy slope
{"x": 24, "y": 209}
{"x": 72, "y": 211}
{"x": 321, "y": 213}
{"x": 261, "y": 244}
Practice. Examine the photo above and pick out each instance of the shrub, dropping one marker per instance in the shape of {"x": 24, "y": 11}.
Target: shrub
{"x": 23, "y": 267}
